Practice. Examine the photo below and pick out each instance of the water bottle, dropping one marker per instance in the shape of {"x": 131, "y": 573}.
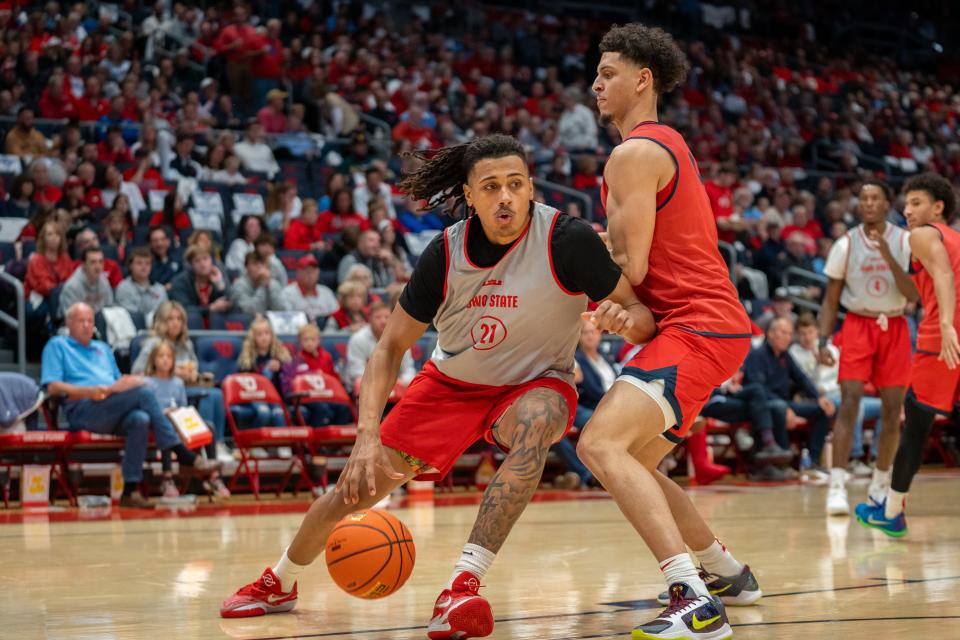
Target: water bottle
{"x": 805, "y": 459}
{"x": 93, "y": 502}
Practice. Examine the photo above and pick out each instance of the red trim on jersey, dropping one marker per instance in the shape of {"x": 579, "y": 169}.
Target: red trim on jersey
{"x": 553, "y": 271}
{"x": 446, "y": 263}
{"x": 466, "y": 238}
{"x": 846, "y": 264}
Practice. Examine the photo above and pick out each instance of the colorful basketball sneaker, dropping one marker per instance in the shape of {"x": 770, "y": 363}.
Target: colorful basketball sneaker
{"x": 740, "y": 591}
{"x": 875, "y": 517}
{"x": 687, "y": 617}
{"x": 460, "y": 612}
{"x": 259, "y": 598}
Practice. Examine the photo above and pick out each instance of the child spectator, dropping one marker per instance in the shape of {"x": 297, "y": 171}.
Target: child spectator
{"x": 306, "y": 232}
{"x": 266, "y": 247}
{"x": 351, "y": 316}
{"x": 262, "y": 353}
{"x": 172, "y": 394}
{"x": 202, "y": 286}
{"x": 116, "y": 226}
{"x": 312, "y": 358}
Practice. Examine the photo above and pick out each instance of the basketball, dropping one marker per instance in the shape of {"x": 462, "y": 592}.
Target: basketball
{"x": 370, "y": 554}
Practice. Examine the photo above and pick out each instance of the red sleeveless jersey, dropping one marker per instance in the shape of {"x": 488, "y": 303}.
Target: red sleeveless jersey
{"x": 687, "y": 284}
{"x": 928, "y": 333}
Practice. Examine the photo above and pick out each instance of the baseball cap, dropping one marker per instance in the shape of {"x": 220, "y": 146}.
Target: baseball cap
{"x": 307, "y": 261}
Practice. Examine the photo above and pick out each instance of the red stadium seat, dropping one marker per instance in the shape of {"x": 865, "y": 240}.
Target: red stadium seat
{"x": 30, "y": 447}
{"x": 331, "y": 441}
{"x": 247, "y": 388}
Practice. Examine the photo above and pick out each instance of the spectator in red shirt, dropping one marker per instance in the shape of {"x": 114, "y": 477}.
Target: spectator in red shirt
{"x": 268, "y": 63}
{"x": 271, "y": 117}
{"x": 92, "y": 196}
{"x": 415, "y": 130}
{"x": 305, "y": 232}
{"x": 92, "y": 106}
{"x": 173, "y": 216}
{"x": 43, "y": 191}
{"x": 237, "y": 43}
{"x": 720, "y": 192}
{"x": 144, "y": 174}
{"x": 802, "y": 223}
{"x": 341, "y": 214}
{"x": 112, "y": 149}
{"x": 49, "y": 266}
{"x": 54, "y": 103}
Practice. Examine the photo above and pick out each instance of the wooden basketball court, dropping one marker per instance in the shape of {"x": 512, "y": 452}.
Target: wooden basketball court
{"x": 572, "y": 569}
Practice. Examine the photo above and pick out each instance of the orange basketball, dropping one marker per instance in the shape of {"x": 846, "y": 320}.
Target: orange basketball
{"x": 370, "y": 554}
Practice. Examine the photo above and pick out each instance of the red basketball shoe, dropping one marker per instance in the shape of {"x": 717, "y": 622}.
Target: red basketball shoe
{"x": 259, "y": 598}
{"x": 460, "y": 612}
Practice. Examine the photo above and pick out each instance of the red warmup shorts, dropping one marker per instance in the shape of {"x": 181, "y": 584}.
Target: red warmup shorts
{"x": 870, "y": 354}
{"x": 439, "y": 417}
{"x": 691, "y": 366}
{"x": 932, "y": 385}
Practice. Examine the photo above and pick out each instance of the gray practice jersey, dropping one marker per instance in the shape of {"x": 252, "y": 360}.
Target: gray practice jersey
{"x": 512, "y": 322}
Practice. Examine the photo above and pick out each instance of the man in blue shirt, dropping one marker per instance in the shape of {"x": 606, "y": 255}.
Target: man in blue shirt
{"x": 101, "y": 400}
{"x": 772, "y": 367}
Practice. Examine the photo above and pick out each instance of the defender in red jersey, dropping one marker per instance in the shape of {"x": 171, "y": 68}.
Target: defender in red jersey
{"x": 663, "y": 235}
{"x": 935, "y": 377}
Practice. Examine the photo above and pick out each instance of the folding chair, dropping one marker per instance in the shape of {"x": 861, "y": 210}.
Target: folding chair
{"x": 247, "y": 388}
{"x": 331, "y": 440}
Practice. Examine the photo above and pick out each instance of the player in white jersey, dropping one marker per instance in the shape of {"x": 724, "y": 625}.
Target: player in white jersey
{"x": 867, "y": 269}
{"x": 507, "y": 289}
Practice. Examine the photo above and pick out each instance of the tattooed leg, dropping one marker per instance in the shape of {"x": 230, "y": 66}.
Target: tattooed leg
{"x": 531, "y": 424}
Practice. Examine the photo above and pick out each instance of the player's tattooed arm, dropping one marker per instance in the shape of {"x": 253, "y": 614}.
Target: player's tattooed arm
{"x": 541, "y": 417}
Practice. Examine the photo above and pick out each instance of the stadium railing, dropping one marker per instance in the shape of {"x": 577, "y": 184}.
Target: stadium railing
{"x": 17, "y": 323}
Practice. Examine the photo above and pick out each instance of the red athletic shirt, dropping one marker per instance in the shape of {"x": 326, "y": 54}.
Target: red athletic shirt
{"x": 928, "y": 333}
{"x": 687, "y": 284}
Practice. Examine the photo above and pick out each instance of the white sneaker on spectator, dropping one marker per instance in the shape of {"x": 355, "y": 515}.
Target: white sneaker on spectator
{"x": 224, "y": 454}
{"x": 743, "y": 439}
{"x": 859, "y": 469}
{"x": 168, "y": 488}
{"x": 837, "y": 504}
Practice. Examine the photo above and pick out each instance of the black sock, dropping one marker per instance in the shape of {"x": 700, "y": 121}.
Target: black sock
{"x": 184, "y": 455}
{"x": 913, "y": 442}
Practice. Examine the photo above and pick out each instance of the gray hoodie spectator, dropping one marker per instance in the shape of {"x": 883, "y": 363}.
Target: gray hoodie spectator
{"x": 255, "y": 291}
{"x": 136, "y": 293}
{"x": 87, "y": 284}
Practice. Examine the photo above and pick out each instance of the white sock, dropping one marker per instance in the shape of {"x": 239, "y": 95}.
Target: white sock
{"x": 679, "y": 568}
{"x": 287, "y": 570}
{"x": 879, "y": 484}
{"x": 896, "y": 502}
{"x": 718, "y": 561}
{"x": 880, "y": 478}
{"x": 474, "y": 559}
{"x": 838, "y": 477}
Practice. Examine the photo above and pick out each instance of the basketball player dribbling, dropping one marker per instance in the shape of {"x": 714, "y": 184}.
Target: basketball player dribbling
{"x": 934, "y": 387}
{"x": 663, "y": 235}
{"x": 507, "y": 290}
{"x": 867, "y": 271}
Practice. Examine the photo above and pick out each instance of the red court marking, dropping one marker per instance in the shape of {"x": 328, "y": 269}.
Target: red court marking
{"x": 18, "y": 516}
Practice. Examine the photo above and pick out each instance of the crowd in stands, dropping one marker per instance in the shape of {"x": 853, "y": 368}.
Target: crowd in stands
{"x": 164, "y": 110}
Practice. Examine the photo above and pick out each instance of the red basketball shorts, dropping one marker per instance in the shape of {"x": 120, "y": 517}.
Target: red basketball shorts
{"x": 680, "y": 370}
{"x": 932, "y": 385}
{"x": 439, "y": 417}
{"x": 870, "y": 354}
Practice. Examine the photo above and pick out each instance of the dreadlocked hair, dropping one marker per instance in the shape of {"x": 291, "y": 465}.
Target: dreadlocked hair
{"x": 443, "y": 172}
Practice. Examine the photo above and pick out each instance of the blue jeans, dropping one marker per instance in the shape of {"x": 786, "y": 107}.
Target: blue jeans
{"x": 210, "y": 409}
{"x": 869, "y": 410}
{"x": 258, "y": 414}
{"x": 129, "y": 414}
{"x": 321, "y": 414}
